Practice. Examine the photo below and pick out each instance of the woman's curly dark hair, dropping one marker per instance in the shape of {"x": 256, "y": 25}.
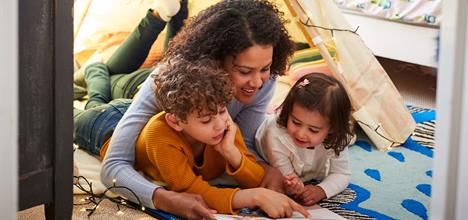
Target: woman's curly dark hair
{"x": 231, "y": 26}
{"x": 326, "y": 95}
{"x": 200, "y": 86}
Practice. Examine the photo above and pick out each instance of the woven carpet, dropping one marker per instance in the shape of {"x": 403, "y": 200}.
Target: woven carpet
{"x": 395, "y": 184}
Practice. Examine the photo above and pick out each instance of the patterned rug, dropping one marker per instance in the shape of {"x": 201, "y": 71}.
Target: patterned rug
{"x": 395, "y": 184}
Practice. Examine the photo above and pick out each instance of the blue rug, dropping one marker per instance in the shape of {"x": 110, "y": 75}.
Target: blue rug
{"x": 390, "y": 185}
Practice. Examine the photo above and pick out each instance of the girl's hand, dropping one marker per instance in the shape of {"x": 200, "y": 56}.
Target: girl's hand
{"x": 274, "y": 204}
{"x": 226, "y": 147}
{"x": 293, "y": 185}
{"x": 312, "y": 194}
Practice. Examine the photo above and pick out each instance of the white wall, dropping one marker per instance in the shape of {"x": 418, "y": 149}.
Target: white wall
{"x": 398, "y": 46}
{"x": 9, "y": 109}
{"x": 449, "y": 188}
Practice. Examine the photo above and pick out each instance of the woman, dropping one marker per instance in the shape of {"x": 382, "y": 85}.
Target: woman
{"x": 248, "y": 38}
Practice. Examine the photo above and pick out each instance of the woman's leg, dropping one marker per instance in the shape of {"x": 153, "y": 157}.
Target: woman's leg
{"x": 94, "y": 126}
{"x": 98, "y": 80}
{"x": 176, "y": 22}
{"x": 134, "y": 50}
{"x": 127, "y": 85}
{"x": 128, "y": 58}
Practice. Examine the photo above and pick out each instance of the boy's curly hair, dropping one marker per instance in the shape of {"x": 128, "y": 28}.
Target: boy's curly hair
{"x": 183, "y": 87}
{"x": 231, "y": 26}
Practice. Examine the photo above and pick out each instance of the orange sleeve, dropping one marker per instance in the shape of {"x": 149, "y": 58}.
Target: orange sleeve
{"x": 213, "y": 164}
{"x": 176, "y": 171}
{"x": 250, "y": 173}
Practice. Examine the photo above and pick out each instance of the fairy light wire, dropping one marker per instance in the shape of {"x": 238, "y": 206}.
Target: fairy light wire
{"x": 96, "y": 199}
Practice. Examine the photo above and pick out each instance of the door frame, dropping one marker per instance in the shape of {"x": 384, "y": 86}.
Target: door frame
{"x": 449, "y": 191}
{"x": 9, "y": 108}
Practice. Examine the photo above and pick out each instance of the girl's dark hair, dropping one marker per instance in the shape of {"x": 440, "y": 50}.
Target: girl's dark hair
{"x": 231, "y": 26}
{"x": 326, "y": 95}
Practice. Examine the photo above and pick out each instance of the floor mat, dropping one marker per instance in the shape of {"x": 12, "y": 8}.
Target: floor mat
{"x": 395, "y": 184}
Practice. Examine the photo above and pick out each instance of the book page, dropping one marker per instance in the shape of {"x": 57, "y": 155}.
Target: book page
{"x": 316, "y": 213}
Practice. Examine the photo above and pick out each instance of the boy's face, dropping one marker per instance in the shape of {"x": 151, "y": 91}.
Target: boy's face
{"x": 207, "y": 129}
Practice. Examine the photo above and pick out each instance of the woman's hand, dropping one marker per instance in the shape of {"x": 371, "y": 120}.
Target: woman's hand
{"x": 312, "y": 194}
{"x": 293, "y": 185}
{"x": 227, "y": 148}
{"x": 186, "y": 205}
{"x": 273, "y": 178}
{"x": 274, "y": 204}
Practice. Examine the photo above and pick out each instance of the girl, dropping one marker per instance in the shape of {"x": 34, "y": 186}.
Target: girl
{"x": 307, "y": 140}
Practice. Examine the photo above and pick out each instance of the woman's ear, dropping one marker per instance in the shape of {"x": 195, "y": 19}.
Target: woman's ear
{"x": 173, "y": 122}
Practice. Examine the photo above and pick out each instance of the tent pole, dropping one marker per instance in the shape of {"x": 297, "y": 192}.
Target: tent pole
{"x": 313, "y": 37}
{"x": 311, "y": 33}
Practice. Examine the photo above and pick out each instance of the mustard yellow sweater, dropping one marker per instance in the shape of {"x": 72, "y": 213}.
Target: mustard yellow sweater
{"x": 163, "y": 154}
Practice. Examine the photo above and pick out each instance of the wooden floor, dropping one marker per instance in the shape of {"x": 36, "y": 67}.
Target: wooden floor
{"x": 416, "y": 84}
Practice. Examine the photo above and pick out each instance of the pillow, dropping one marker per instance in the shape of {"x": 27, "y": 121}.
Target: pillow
{"x": 308, "y": 61}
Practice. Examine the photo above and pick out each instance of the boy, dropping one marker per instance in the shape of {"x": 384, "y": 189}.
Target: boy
{"x": 194, "y": 139}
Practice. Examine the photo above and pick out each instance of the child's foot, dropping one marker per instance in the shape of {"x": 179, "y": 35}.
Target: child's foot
{"x": 167, "y": 8}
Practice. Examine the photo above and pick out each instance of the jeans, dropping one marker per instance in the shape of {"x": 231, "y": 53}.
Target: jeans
{"x": 94, "y": 126}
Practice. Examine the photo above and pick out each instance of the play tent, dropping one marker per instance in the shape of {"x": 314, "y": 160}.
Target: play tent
{"x": 379, "y": 109}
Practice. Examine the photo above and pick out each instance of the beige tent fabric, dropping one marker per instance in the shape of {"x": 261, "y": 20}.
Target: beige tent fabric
{"x": 379, "y": 108}
{"x": 99, "y": 26}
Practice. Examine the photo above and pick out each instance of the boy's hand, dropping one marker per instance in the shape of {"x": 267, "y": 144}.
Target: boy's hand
{"x": 274, "y": 204}
{"x": 226, "y": 147}
{"x": 187, "y": 205}
{"x": 312, "y": 194}
{"x": 293, "y": 184}
{"x": 227, "y": 143}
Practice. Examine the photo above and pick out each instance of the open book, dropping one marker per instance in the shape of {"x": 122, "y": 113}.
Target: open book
{"x": 316, "y": 212}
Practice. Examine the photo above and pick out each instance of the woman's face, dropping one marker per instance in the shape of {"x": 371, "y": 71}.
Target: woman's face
{"x": 249, "y": 70}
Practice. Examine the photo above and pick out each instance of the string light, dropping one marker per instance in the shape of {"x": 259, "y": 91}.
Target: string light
{"x": 307, "y": 24}
{"x": 96, "y": 199}
{"x": 309, "y": 15}
{"x": 376, "y": 130}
